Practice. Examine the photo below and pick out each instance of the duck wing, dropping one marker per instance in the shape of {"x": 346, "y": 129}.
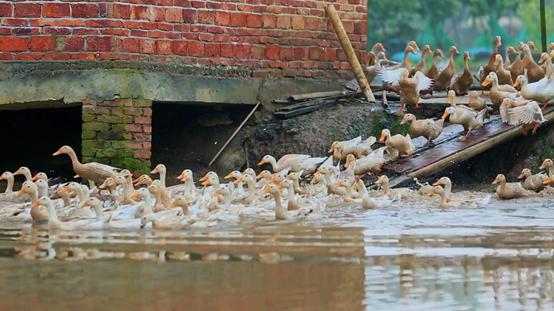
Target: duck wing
{"x": 423, "y": 81}
{"x": 530, "y": 113}
{"x": 392, "y": 76}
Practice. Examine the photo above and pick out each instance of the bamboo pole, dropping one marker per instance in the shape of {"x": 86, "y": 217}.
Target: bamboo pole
{"x": 234, "y": 134}
{"x": 349, "y": 51}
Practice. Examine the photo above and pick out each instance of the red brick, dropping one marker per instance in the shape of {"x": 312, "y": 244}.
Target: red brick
{"x": 72, "y": 44}
{"x": 315, "y": 53}
{"x": 143, "y": 120}
{"x": 6, "y": 56}
{"x": 147, "y": 46}
{"x": 55, "y": 10}
{"x": 222, "y": 18}
{"x": 254, "y": 21}
{"x": 99, "y": 44}
{"x": 179, "y": 48}
{"x": 163, "y": 47}
{"x": 206, "y": 17}
{"x": 29, "y": 56}
{"x": 116, "y": 31}
{"x": 195, "y": 48}
{"x": 189, "y": 16}
{"x": 286, "y": 54}
{"x": 173, "y": 15}
{"x": 121, "y": 11}
{"x": 42, "y": 44}
{"x": 139, "y": 12}
{"x": 257, "y": 52}
{"x": 13, "y": 44}
{"x": 147, "y": 128}
{"x": 198, "y": 4}
{"x": 143, "y": 154}
{"x": 84, "y": 10}
{"x": 6, "y": 9}
{"x": 227, "y": 50}
{"x": 130, "y": 45}
{"x": 283, "y": 22}
{"x": 301, "y": 53}
{"x": 238, "y": 19}
{"x": 313, "y": 23}
{"x": 27, "y": 10}
{"x": 272, "y": 52}
{"x": 298, "y": 22}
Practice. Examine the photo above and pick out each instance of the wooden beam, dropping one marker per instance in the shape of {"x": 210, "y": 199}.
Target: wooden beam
{"x": 349, "y": 51}
{"x": 472, "y": 151}
{"x": 543, "y": 25}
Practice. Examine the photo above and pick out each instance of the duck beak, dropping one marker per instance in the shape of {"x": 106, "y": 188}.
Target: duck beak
{"x": 548, "y": 181}
{"x": 206, "y": 183}
{"x": 154, "y": 171}
{"x": 262, "y": 162}
{"x": 228, "y": 176}
{"x": 437, "y": 183}
{"x": 517, "y": 84}
{"x": 382, "y": 138}
{"x": 485, "y": 83}
{"x": 259, "y": 176}
{"x": 57, "y": 153}
{"x": 520, "y": 176}
{"x": 445, "y": 115}
{"x": 495, "y": 182}
{"x": 203, "y": 179}
{"x": 403, "y": 121}
{"x": 35, "y": 178}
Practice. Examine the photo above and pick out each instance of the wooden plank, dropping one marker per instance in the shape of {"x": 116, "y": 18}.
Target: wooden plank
{"x": 308, "y": 96}
{"x": 451, "y": 151}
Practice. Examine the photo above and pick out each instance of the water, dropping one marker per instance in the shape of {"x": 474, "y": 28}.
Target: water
{"x": 403, "y": 258}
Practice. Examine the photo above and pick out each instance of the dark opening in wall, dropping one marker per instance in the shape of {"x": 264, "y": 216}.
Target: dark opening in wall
{"x": 30, "y": 136}
{"x": 188, "y": 135}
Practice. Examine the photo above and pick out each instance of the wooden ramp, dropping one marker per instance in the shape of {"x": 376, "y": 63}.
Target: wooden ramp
{"x": 449, "y": 151}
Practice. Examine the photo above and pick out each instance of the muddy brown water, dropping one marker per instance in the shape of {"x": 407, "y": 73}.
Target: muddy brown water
{"x": 401, "y": 258}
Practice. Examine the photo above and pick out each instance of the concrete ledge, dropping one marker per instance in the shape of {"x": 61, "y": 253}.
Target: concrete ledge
{"x": 71, "y": 82}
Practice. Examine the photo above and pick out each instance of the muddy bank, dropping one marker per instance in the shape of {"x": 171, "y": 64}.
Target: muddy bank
{"x": 307, "y": 134}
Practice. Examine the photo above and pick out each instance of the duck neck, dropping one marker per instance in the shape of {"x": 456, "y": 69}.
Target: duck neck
{"x": 279, "y": 210}
{"x": 296, "y": 184}
{"x": 447, "y": 190}
{"x": 444, "y": 199}
{"x": 27, "y": 175}
{"x": 98, "y": 211}
{"x": 9, "y": 187}
{"x": 148, "y": 203}
{"x": 386, "y": 188}
{"x": 348, "y": 192}
{"x": 273, "y": 164}
{"x": 66, "y": 199}
{"x": 42, "y": 191}
{"x": 290, "y": 190}
{"x": 162, "y": 178}
{"x": 52, "y": 215}
{"x": 406, "y": 60}
{"x": 363, "y": 189}
{"x": 74, "y": 160}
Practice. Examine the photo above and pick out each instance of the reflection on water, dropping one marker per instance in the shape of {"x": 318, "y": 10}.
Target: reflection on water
{"x": 497, "y": 258}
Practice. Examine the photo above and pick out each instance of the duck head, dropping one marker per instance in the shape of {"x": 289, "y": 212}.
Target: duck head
{"x": 64, "y": 150}
{"x": 407, "y": 118}
{"x": 385, "y": 134}
{"x": 491, "y": 78}
{"x": 524, "y": 173}
{"x": 500, "y": 179}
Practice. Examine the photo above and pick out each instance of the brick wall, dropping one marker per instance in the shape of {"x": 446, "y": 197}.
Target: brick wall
{"x": 279, "y": 38}
{"x": 118, "y": 132}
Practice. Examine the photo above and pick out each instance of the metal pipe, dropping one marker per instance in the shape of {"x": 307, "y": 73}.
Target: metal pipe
{"x": 543, "y": 24}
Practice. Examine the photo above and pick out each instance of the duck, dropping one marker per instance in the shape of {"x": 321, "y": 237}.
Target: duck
{"x": 143, "y": 180}
{"x": 445, "y": 76}
{"x": 287, "y": 162}
{"x": 365, "y": 147}
{"x": 373, "y": 162}
{"x": 368, "y": 202}
{"x": 491, "y": 66}
{"x": 541, "y": 91}
{"x": 424, "y": 188}
{"x": 499, "y": 92}
{"x": 461, "y": 83}
{"x": 156, "y": 190}
{"x": 516, "y": 67}
{"x": 40, "y": 176}
{"x": 340, "y": 149}
{"x": 294, "y": 163}
{"x": 504, "y": 75}
{"x": 293, "y": 199}
{"x": 55, "y": 223}
{"x": 94, "y": 172}
{"x": 403, "y": 144}
{"x": 391, "y": 76}
{"x": 508, "y": 191}
{"x": 428, "y": 128}
{"x": 546, "y": 62}
{"x": 162, "y": 171}
{"x": 548, "y": 165}
{"x": 477, "y": 101}
{"x": 532, "y": 182}
{"x": 410, "y": 89}
{"x": 295, "y": 178}
{"x": 25, "y": 171}
{"x": 9, "y": 178}
{"x": 30, "y": 188}
{"x": 470, "y": 120}
{"x": 186, "y": 177}
{"x": 443, "y": 188}
{"x": 534, "y": 71}
{"x": 433, "y": 72}
{"x": 421, "y": 66}
{"x": 64, "y": 193}
{"x": 280, "y": 213}
{"x": 526, "y": 113}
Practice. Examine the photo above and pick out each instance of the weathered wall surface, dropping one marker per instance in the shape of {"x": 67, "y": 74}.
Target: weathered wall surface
{"x": 277, "y": 38}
